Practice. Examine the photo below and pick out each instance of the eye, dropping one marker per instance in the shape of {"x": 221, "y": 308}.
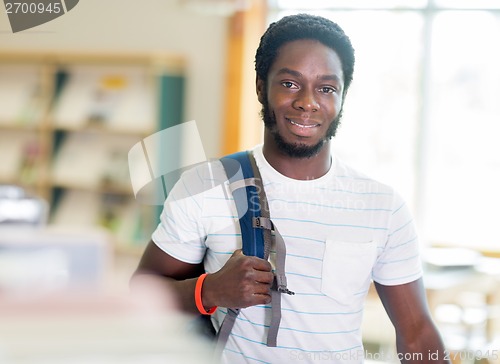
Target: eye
{"x": 327, "y": 89}
{"x": 289, "y": 84}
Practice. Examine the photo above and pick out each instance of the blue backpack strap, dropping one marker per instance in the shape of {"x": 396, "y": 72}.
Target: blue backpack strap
{"x": 246, "y": 196}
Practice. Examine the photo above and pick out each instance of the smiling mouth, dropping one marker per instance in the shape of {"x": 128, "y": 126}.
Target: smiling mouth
{"x": 305, "y": 126}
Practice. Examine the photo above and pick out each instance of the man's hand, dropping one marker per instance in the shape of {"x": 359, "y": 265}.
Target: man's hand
{"x": 242, "y": 282}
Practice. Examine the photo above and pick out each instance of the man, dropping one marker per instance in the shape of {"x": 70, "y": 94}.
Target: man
{"x": 341, "y": 229}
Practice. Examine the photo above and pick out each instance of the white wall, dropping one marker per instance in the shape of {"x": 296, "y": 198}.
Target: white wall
{"x": 145, "y": 25}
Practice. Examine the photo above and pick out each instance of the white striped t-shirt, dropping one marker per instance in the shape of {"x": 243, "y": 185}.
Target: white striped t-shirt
{"x": 341, "y": 231}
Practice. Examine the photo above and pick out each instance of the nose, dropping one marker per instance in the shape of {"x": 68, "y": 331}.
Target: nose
{"x": 306, "y": 101}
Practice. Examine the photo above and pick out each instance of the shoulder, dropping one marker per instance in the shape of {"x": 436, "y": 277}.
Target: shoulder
{"x": 195, "y": 180}
{"x": 367, "y": 188}
{"x": 349, "y": 175}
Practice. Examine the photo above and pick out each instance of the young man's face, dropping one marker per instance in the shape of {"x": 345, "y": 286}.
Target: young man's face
{"x": 303, "y": 97}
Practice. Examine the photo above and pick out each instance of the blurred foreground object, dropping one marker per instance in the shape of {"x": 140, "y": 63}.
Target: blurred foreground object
{"x": 44, "y": 260}
{"x": 104, "y": 329}
{"x": 58, "y": 305}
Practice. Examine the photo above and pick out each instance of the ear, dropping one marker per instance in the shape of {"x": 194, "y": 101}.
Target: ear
{"x": 260, "y": 87}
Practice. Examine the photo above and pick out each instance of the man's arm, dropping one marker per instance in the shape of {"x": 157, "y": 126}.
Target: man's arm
{"x": 243, "y": 281}
{"x": 416, "y": 335}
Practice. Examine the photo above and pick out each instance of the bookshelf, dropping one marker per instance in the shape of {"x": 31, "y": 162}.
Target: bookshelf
{"x": 67, "y": 122}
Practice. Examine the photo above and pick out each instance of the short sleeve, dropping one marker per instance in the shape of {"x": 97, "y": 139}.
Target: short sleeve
{"x": 180, "y": 232}
{"x": 398, "y": 261}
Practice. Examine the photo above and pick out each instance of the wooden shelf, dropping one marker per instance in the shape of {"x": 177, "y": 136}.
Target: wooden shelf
{"x": 96, "y": 129}
{"x": 157, "y": 78}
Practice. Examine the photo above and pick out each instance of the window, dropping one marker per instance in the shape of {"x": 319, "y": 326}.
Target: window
{"x": 423, "y": 111}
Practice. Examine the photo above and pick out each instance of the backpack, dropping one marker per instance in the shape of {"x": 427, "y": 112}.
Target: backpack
{"x": 258, "y": 235}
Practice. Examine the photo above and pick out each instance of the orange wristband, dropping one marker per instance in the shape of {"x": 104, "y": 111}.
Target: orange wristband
{"x": 197, "y": 297}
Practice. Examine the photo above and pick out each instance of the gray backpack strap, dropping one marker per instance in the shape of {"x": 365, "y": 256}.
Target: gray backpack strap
{"x": 271, "y": 237}
{"x": 225, "y": 330}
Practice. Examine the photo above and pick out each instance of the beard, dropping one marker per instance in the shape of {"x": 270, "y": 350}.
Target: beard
{"x": 296, "y": 150}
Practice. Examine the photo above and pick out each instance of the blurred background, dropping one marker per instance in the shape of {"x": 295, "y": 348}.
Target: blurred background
{"x": 423, "y": 115}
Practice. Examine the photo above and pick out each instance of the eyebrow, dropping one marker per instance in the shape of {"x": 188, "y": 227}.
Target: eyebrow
{"x": 289, "y": 71}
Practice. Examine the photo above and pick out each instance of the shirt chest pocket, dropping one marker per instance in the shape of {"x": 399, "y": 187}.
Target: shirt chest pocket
{"x": 346, "y": 271}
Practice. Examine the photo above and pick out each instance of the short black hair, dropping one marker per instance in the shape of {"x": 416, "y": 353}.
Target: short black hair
{"x": 304, "y": 26}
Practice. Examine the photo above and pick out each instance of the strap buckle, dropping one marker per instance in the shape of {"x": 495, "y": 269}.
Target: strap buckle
{"x": 262, "y": 222}
{"x": 284, "y": 289}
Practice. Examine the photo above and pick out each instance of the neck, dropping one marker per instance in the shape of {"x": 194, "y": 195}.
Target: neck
{"x": 297, "y": 168}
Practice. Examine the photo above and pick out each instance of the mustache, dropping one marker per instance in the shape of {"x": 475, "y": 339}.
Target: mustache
{"x": 269, "y": 120}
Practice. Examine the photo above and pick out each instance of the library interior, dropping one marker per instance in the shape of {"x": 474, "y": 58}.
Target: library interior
{"x": 103, "y": 107}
